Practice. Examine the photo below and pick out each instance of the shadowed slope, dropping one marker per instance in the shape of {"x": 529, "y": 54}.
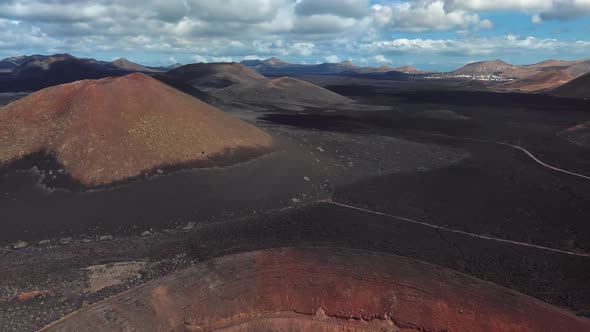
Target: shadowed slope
{"x": 320, "y": 290}
{"x": 112, "y": 129}
{"x": 284, "y": 90}
{"x": 578, "y": 88}
{"x": 210, "y": 76}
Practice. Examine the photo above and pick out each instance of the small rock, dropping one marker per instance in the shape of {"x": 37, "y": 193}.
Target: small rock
{"x": 320, "y": 149}
{"x": 105, "y": 238}
{"x": 44, "y": 242}
{"x": 20, "y": 245}
{"x": 159, "y": 171}
{"x": 188, "y": 226}
{"x": 65, "y": 241}
{"x": 296, "y": 200}
{"x": 146, "y": 233}
{"x": 306, "y": 178}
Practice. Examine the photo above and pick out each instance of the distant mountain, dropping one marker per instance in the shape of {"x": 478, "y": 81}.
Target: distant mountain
{"x": 126, "y": 65}
{"x": 579, "y": 68}
{"x": 212, "y": 76}
{"x": 573, "y": 68}
{"x": 284, "y": 90}
{"x": 38, "y": 72}
{"x": 577, "y": 88}
{"x": 274, "y": 66}
{"x": 8, "y": 64}
{"x": 30, "y": 73}
{"x": 173, "y": 66}
{"x": 409, "y": 70}
{"x": 495, "y": 67}
{"x": 381, "y": 69}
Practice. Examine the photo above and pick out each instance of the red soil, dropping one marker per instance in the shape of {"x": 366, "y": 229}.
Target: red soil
{"x": 320, "y": 290}
{"x": 108, "y": 130}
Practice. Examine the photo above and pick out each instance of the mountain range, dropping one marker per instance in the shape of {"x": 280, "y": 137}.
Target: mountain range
{"x": 278, "y": 67}
{"x": 574, "y": 68}
{"x": 30, "y": 73}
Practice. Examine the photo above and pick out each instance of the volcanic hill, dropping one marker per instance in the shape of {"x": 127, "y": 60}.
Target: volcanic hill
{"x": 542, "y": 80}
{"x": 319, "y": 289}
{"x": 124, "y": 64}
{"x": 109, "y": 130}
{"x": 484, "y": 68}
{"x": 211, "y": 76}
{"x": 573, "y": 68}
{"x": 284, "y": 90}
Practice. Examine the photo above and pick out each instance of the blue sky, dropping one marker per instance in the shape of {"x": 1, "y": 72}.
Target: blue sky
{"x": 430, "y": 34}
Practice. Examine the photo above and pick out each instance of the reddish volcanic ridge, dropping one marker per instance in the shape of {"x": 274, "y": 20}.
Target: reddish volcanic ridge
{"x": 109, "y": 130}
{"x": 319, "y": 289}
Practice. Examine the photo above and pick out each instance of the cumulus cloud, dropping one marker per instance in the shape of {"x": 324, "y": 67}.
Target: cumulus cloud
{"x": 543, "y": 9}
{"x": 207, "y": 30}
{"x": 332, "y": 58}
{"x": 343, "y": 8}
{"x": 381, "y": 58}
{"x": 425, "y": 15}
{"x": 481, "y": 47}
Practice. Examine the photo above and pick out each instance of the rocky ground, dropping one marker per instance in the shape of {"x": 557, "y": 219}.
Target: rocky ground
{"x": 63, "y": 250}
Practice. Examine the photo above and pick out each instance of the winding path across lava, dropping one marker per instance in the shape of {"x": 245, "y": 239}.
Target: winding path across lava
{"x": 483, "y": 237}
{"x": 527, "y": 152}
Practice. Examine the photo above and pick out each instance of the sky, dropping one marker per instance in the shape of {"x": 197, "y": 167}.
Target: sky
{"x": 429, "y": 34}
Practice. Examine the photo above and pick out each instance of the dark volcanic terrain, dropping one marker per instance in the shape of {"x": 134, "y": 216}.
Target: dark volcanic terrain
{"x": 424, "y": 178}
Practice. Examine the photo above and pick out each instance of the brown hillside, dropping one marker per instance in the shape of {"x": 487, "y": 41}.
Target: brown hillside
{"x": 284, "y": 90}
{"x": 539, "y": 81}
{"x": 108, "y": 130}
{"x": 484, "y": 68}
{"x": 127, "y": 65}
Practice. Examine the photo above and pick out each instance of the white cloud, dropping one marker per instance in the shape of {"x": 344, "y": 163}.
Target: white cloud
{"x": 542, "y": 9}
{"x": 425, "y": 15}
{"x": 381, "y": 58}
{"x": 480, "y": 47}
{"x": 199, "y": 58}
{"x": 205, "y": 30}
{"x": 343, "y": 8}
{"x": 222, "y": 59}
{"x": 304, "y": 49}
{"x": 331, "y": 58}
{"x": 524, "y": 5}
